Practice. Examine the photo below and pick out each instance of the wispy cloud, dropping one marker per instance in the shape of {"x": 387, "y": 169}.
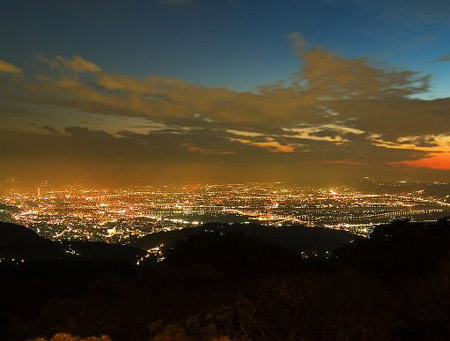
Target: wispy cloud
{"x": 269, "y": 144}
{"x": 75, "y": 64}
{"x": 445, "y": 58}
{"x": 195, "y": 149}
{"x": 6, "y": 67}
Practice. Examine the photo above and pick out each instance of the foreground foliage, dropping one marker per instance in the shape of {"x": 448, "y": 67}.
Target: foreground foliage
{"x": 395, "y": 285}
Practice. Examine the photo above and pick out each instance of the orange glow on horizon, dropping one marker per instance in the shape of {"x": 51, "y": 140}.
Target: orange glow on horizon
{"x": 439, "y": 161}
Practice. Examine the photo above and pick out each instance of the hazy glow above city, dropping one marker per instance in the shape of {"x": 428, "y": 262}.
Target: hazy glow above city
{"x": 190, "y": 92}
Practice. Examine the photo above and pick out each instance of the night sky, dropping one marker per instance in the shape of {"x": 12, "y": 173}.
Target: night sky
{"x": 219, "y": 91}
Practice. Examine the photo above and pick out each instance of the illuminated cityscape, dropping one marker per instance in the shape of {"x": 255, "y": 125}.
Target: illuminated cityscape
{"x": 238, "y": 170}
{"x": 117, "y": 215}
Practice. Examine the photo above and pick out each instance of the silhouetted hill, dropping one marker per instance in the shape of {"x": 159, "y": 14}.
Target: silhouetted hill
{"x": 22, "y": 243}
{"x": 11, "y": 233}
{"x": 232, "y": 254}
{"x": 391, "y": 286}
{"x": 298, "y": 238}
{"x": 98, "y": 251}
{"x": 18, "y": 242}
{"x": 399, "y": 249}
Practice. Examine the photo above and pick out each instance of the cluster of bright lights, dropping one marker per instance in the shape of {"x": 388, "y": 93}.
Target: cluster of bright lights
{"x": 116, "y": 215}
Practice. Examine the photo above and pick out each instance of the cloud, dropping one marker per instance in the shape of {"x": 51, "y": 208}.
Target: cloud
{"x": 439, "y": 161}
{"x": 6, "y": 67}
{"x": 426, "y": 143}
{"x": 332, "y": 77}
{"x": 76, "y": 64}
{"x": 50, "y": 130}
{"x": 298, "y": 42}
{"x": 270, "y": 144}
{"x": 311, "y": 133}
{"x": 436, "y": 146}
{"x": 445, "y": 58}
{"x": 194, "y": 149}
{"x": 244, "y": 133}
{"x": 325, "y": 81}
{"x": 327, "y": 133}
{"x": 335, "y": 111}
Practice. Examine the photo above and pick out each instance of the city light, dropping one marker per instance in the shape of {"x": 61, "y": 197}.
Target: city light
{"x": 117, "y": 215}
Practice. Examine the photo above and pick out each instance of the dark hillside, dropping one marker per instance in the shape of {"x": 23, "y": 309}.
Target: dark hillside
{"x": 227, "y": 286}
{"x": 21, "y": 243}
{"x": 297, "y": 238}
